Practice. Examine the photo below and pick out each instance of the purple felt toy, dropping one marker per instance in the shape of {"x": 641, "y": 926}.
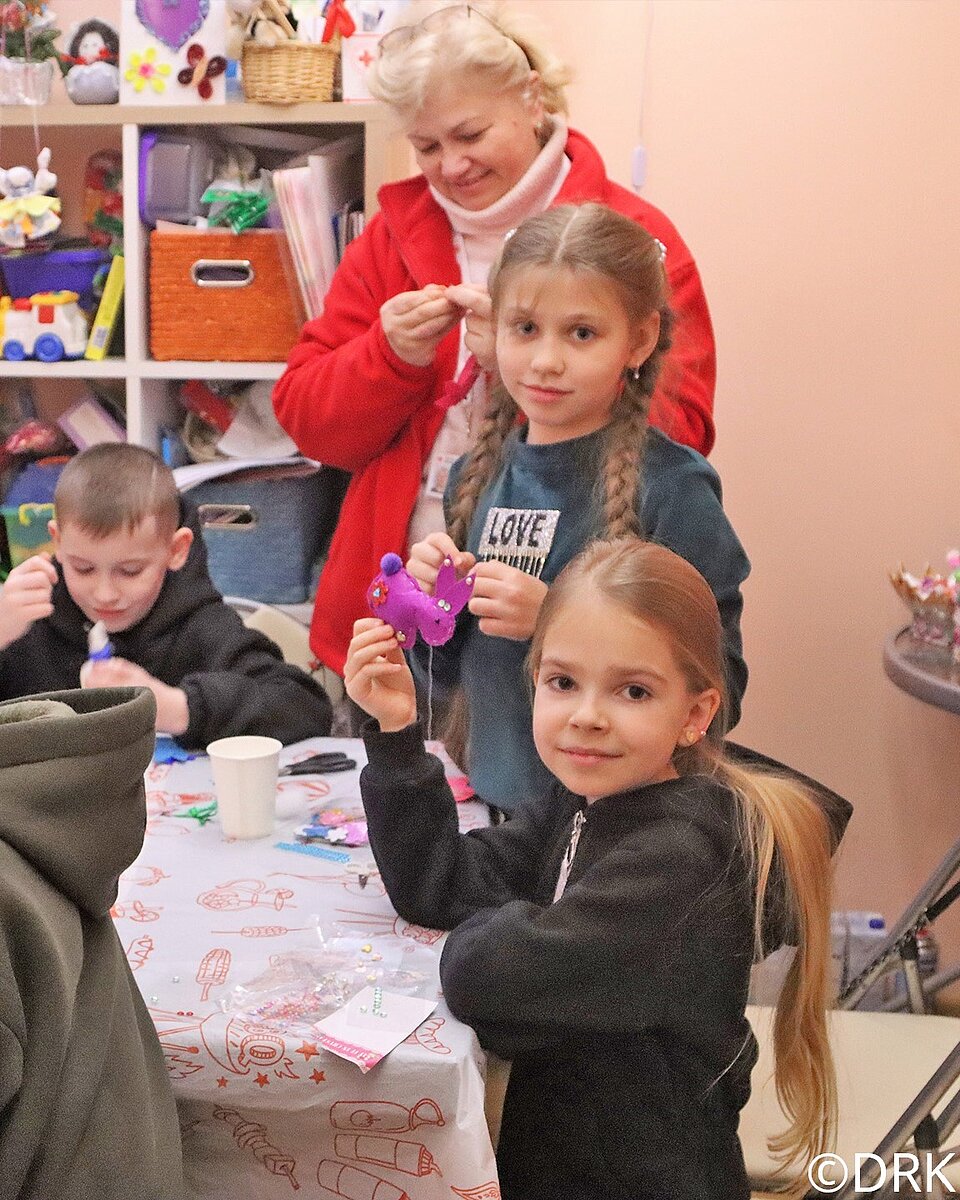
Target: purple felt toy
{"x": 396, "y": 597}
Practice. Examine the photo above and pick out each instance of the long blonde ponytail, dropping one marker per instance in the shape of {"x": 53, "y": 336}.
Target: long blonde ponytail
{"x": 787, "y": 841}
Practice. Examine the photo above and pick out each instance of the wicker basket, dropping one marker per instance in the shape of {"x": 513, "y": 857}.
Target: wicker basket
{"x": 289, "y": 72}
{"x": 199, "y": 311}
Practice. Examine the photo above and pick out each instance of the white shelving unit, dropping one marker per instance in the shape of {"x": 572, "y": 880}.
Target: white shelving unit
{"x": 150, "y": 398}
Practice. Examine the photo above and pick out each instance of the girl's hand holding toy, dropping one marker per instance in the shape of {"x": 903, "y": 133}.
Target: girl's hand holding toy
{"x": 427, "y": 557}
{"x": 506, "y": 600}
{"x": 414, "y": 323}
{"x": 377, "y": 677}
{"x": 26, "y": 597}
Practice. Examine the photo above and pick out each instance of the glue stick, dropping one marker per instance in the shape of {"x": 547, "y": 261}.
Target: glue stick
{"x": 98, "y": 644}
{"x": 99, "y": 648}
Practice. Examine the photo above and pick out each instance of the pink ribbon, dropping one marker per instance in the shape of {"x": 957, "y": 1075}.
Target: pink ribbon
{"x": 456, "y": 390}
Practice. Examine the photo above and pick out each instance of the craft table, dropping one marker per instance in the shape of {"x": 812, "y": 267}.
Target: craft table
{"x": 265, "y": 1113}
{"x": 923, "y": 671}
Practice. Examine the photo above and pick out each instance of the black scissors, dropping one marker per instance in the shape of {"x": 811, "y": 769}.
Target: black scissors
{"x": 325, "y": 763}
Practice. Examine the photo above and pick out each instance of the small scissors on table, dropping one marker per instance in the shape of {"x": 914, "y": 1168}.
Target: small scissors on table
{"x": 325, "y": 763}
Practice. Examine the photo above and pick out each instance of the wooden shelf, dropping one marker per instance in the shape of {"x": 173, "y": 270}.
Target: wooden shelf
{"x": 63, "y": 113}
{"x": 183, "y": 369}
{"x": 72, "y": 368}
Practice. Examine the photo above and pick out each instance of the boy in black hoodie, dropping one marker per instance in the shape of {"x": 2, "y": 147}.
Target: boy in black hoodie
{"x": 127, "y": 559}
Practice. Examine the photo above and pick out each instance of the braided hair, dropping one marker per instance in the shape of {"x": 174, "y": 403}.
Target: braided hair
{"x": 581, "y": 238}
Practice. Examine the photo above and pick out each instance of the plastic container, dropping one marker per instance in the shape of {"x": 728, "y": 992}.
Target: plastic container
{"x": 66, "y": 269}
{"x": 857, "y": 936}
{"x": 27, "y": 532}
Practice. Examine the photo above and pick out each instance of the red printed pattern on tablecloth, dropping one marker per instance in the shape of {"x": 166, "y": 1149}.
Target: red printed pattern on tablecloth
{"x": 241, "y": 894}
{"x": 251, "y": 1136}
{"x": 368, "y": 1144}
{"x": 235, "y": 1044}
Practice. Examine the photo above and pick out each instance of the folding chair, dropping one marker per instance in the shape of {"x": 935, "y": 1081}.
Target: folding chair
{"x": 899, "y": 950}
{"x": 291, "y": 636}
{"x": 893, "y": 1070}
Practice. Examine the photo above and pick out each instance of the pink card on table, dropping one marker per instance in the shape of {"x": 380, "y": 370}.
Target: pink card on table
{"x": 372, "y": 1024}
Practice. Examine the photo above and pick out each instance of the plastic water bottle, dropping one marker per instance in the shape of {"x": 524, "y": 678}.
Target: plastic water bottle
{"x": 857, "y": 936}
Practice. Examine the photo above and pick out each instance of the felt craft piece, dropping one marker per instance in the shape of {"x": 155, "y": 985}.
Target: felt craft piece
{"x": 395, "y": 597}
{"x": 173, "y": 52}
{"x": 173, "y": 22}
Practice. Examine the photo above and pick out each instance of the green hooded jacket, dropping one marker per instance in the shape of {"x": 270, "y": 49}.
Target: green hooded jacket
{"x": 86, "y": 1110}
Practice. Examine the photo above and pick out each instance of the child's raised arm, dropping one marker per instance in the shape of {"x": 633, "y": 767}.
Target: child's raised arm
{"x": 26, "y": 597}
{"x": 377, "y": 677}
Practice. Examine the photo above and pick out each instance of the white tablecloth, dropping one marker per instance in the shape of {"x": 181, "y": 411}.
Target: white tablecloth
{"x": 266, "y": 1113}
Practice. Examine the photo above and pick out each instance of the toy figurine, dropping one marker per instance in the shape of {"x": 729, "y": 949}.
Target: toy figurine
{"x": 48, "y": 326}
{"x": 27, "y": 213}
{"x": 92, "y": 75}
{"x": 395, "y": 597}
{"x": 267, "y": 22}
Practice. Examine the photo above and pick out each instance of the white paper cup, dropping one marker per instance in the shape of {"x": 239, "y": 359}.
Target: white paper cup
{"x": 245, "y": 777}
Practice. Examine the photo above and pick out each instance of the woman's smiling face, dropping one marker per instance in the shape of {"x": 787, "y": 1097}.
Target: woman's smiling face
{"x": 473, "y": 144}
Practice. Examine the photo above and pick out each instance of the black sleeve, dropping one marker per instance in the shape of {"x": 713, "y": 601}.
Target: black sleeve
{"x": 434, "y": 875}
{"x": 244, "y": 685}
{"x": 654, "y": 934}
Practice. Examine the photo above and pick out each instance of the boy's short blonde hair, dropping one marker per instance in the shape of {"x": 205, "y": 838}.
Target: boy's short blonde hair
{"x": 115, "y": 486}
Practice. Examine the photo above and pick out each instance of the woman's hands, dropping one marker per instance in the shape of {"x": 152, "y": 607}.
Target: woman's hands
{"x": 415, "y": 323}
{"x": 477, "y": 309}
{"x": 377, "y": 677}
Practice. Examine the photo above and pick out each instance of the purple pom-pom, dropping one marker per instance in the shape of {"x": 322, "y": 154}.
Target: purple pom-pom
{"x": 390, "y": 564}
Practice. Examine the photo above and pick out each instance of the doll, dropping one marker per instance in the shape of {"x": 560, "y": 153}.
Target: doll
{"x": 92, "y": 75}
{"x": 27, "y": 213}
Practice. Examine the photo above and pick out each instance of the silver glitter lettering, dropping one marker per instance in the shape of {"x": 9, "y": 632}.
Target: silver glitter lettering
{"x": 519, "y": 537}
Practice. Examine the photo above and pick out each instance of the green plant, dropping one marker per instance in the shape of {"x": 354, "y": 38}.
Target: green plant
{"x": 27, "y": 30}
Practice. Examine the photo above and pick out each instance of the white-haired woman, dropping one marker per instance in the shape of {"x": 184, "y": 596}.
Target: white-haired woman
{"x": 377, "y": 384}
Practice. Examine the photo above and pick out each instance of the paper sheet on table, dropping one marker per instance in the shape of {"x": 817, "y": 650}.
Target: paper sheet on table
{"x": 372, "y": 1024}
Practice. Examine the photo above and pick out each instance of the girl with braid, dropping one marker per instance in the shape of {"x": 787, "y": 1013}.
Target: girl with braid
{"x": 565, "y": 454}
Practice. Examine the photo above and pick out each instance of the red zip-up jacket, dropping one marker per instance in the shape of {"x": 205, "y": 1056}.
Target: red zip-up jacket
{"x": 347, "y": 400}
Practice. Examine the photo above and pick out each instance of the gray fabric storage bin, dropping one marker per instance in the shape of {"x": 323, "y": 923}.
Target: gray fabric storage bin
{"x": 265, "y": 528}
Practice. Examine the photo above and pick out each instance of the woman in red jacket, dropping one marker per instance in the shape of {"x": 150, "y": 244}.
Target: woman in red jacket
{"x": 377, "y": 385}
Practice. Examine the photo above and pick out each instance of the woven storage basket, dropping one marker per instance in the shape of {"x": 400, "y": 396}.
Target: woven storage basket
{"x": 221, "y": 297}
{"x": 289, "y": 71}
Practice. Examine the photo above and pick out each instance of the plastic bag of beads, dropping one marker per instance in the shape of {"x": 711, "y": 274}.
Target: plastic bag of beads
{"x": 303, "y": 986}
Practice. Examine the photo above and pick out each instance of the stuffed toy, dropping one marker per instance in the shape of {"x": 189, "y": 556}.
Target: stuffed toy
{"x": 395, "y": 597}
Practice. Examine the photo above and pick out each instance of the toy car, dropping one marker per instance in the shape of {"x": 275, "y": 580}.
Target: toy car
{"x": 47, "y": 325}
